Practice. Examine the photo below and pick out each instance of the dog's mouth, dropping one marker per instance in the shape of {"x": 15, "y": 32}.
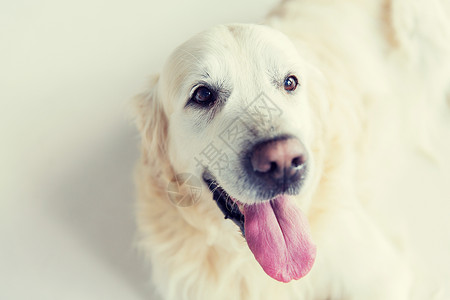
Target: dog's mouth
{"x": 276, "y": 231}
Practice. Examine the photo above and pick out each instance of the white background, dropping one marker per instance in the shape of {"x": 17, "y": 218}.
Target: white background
{"x": 67, "y": 147}
{"x": 67, "y": 70}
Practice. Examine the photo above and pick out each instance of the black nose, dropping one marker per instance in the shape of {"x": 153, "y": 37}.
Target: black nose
{"x": 280, "y": 161}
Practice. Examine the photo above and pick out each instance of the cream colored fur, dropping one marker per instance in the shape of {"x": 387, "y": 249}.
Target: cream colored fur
{"x": 367, "y": 70}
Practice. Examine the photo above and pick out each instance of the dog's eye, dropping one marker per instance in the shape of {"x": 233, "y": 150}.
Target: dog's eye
{"x": 290, "y": 83}
{"x": 203, "y": 96}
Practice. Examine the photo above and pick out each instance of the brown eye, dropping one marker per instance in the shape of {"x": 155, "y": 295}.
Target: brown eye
{"x": 290, "y": 83}
{"x": 203, "y": 96}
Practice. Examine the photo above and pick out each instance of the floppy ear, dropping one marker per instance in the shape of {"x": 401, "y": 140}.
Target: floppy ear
{"x": 151, "y": 122}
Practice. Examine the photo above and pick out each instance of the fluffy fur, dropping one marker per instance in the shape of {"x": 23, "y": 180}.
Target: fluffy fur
{"x": 366, "y": 70}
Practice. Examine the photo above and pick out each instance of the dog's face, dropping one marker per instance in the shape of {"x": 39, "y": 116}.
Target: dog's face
{"x": 225, "y": 92}
{"x": 238, "y": 117}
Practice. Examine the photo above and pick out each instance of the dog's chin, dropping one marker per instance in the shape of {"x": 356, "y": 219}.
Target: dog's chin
{"x": 275, "y": 229}
{"x": 233, "y": 209}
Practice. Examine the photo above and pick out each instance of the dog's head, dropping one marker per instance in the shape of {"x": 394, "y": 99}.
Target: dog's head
{"x": 231, "y": 106}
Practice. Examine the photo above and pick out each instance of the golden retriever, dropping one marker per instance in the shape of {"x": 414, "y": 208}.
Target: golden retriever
{"x": 264, "y": 149}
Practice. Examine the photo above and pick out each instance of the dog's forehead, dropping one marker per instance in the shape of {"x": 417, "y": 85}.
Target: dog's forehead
{"x": 226, "y": 49}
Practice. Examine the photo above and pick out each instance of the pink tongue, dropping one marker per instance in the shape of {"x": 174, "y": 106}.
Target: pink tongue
{"x": 278, "y": 234}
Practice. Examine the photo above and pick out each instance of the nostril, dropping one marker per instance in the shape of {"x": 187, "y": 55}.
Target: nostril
{"x": 297, "y": 161}
{"x": 273, "y": 167}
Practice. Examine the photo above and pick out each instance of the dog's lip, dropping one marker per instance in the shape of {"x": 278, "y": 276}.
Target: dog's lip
{"x": 230, "y": 207}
